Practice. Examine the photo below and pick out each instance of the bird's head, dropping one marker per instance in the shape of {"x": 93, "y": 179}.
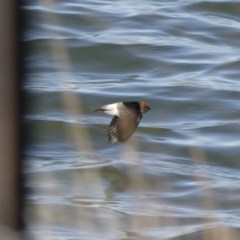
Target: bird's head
{"x": 144, "y": 107}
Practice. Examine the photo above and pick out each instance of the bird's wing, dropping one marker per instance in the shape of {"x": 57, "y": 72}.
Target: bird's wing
{"x": 122, "y": 128}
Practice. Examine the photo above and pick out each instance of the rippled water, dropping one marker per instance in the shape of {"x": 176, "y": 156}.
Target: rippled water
{"x": 178, "y": 177}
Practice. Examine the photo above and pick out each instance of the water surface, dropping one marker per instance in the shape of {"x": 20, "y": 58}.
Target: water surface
{"x": 178, "y": 176}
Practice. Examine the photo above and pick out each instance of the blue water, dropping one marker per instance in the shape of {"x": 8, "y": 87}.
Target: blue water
{"x": 178, "y": 177}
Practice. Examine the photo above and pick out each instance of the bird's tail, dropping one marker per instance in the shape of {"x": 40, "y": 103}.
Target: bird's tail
{"x": 98, "y": 109}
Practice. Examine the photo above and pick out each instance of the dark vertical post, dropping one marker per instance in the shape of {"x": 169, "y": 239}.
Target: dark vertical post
{"x": 9, "y": 118}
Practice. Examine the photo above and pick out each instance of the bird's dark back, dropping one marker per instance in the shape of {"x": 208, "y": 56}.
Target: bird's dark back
{"x": 134, "y": 105}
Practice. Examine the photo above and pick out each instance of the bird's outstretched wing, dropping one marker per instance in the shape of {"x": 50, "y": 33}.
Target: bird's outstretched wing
{"x": 122, "y": 128}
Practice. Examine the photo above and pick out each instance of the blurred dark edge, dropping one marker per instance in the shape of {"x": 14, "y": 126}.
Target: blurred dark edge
{"x": 10, "y": 117}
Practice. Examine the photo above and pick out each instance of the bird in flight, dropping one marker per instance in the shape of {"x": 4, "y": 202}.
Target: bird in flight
{"x": 127, "y": 116}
